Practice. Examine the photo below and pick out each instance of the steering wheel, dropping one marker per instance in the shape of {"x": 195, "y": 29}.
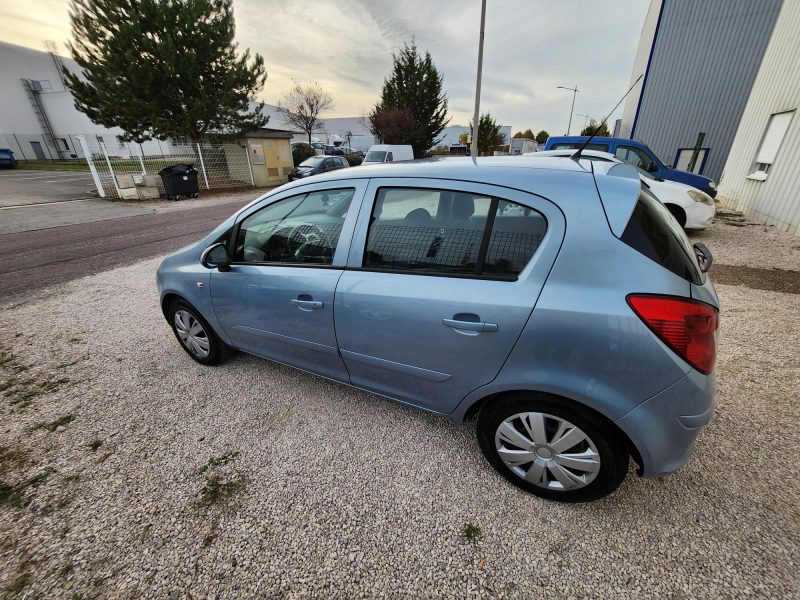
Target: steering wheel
{"x": 306, "y": 235}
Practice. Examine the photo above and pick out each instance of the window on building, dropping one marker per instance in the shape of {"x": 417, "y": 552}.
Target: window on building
{"x": 120, "y": 140}
{"x": 62, "y": 143}
{"x": 179, "y": 140}
{"x": 777, "y": 127}
{"x": 100, "y": 139}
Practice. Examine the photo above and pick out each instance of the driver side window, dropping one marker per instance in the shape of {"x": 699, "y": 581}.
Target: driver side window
{"x": 297, "y": 230}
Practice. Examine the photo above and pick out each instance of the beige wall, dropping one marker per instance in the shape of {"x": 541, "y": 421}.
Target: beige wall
{"x": 270, "y": 159}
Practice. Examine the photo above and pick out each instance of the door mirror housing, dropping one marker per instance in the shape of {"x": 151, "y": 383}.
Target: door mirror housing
{"x": 216, "y": 257}
{"x": 668, "y": 166}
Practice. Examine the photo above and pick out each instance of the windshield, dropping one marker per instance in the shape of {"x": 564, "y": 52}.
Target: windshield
{"x": 375, "y": 156}
{"x": 312, "y": 162}
{"x": 5, "y": 153}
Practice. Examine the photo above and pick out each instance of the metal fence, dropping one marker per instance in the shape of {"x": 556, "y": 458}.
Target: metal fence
{"x": 131, "y": 173}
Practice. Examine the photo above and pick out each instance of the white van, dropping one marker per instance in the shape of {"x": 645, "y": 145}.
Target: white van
{"x": 384, "y": 153}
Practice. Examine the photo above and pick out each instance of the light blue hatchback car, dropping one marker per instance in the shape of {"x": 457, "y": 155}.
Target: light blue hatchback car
{"x": 555, "y": 299}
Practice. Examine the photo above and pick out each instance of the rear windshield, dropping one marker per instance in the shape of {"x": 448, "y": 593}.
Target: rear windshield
{"x": 314, "y": 161}
{"x": 375, "y": 156}
{"x": 654, "y": 232}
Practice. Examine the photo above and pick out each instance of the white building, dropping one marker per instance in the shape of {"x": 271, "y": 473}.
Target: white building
{"x": 39, "y": 120}
{"x": 762, "y": 173}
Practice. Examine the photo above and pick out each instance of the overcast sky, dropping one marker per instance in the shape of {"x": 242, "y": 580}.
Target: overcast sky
{"x": 531, "y": 47}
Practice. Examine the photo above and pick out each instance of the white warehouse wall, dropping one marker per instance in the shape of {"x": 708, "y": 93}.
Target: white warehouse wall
{"x": 774, "y": 201}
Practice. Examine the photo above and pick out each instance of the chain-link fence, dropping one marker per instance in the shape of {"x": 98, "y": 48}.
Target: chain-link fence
{"x": 134, "y": 174}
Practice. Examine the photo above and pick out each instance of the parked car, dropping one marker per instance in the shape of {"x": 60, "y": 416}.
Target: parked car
{"x": 692, "y": 208}
{"x": 382, "y": 153}
{"x": 349, "y": 151}
{"x": 7, "y": 158}
{"x": 579, "y": 327}
{"x": 316, "y": 165}
{"x": 332, "y": 150}
{"x": 639, "y": 155}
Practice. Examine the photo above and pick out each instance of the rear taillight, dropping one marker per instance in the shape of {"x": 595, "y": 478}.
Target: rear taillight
{"x": 687, "y": 326}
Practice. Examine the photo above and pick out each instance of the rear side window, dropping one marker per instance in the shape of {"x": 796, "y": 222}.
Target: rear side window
{"x": 443, "y": 232}
{"x": 654, "y": 232}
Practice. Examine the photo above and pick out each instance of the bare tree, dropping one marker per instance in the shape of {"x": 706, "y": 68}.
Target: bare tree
{"x": 303, "y": 104}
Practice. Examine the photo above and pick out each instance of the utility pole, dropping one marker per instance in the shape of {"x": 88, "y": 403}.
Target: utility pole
{"x": 585, "y": 119}
{"x": 574, "y": 91}
{"x": 476, "y": 116}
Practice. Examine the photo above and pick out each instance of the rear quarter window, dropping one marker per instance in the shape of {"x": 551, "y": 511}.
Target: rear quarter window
{"x": 654, "y": 232}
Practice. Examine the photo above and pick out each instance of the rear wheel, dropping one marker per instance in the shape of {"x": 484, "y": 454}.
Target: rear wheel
{"x": 195, "y": 334}
{"x": 552, "y": 447}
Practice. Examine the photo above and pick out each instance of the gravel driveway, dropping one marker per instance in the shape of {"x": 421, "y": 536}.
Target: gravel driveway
{"x": 128, "y": 471}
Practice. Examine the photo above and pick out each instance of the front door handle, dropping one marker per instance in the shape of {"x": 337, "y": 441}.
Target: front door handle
{"x": 307, "y": 303}
{"x": 471, "y": 325}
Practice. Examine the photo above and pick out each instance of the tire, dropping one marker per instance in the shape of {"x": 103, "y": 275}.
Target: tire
{"x": 603, "y": 458}
{"x": 678, "y": 213}
{"x": 204, "y": 344}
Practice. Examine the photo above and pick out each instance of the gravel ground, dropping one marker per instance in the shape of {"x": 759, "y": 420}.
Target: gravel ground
{"x": 128, "y": 471}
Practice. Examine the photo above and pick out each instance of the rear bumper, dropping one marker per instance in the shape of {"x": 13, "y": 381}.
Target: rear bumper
{"x": 665, "y": 427}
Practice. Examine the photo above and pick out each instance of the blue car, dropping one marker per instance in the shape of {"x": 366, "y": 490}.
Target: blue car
{"x": 637, "y": 154}
{"x": 7, "y": 158}
{"x": 556, "y": 301}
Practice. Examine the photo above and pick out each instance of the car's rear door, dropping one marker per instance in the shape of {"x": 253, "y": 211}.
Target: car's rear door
{"x": 276, "y": 300}
{"x": 441, "y": 279}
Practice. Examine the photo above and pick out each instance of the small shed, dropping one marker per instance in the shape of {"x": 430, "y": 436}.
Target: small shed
{"x": 270, "y": 155}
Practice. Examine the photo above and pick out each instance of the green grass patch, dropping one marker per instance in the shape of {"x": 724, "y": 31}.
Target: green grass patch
{"x": 51, "y": 426}
{"x": 218, "y": 461}
{"x": 471, "y": 532}
{"x": 217, "y": 490}
{"x": 19, "y": 495}
{"x": 53, "y": 165}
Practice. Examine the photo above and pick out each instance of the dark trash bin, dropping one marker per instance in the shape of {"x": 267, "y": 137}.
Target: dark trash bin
{"x": 180, "y": 180}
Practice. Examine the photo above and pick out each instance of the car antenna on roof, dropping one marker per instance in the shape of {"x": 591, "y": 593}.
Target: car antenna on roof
{"x": 577, "y": 154}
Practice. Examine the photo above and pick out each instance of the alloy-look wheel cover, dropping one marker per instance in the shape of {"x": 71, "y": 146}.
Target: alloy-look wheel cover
{"x": 192, "y": 334}
{"x": 547, "y": 451}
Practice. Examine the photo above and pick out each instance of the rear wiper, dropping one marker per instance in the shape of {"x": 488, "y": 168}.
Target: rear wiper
{"x": 704, "y": 256}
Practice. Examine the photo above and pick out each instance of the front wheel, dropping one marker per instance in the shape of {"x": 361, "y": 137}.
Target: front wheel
{"x": 552, "y": 447}
{"x": 195, "y": 334}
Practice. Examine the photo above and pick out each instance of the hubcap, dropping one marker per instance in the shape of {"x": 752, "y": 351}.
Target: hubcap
{"x": 547, "y": 451}
{"x": 192, "y": 334}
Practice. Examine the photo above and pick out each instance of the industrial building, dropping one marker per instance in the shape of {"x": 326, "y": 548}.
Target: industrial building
{"x": 763, "y": 168}
{"x": 700, "y": 59}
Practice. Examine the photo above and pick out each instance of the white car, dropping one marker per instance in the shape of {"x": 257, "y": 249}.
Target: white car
{"x": 692, "y": 208}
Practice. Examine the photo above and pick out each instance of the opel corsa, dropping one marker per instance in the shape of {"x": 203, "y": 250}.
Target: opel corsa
{"x": 557, "y": 300}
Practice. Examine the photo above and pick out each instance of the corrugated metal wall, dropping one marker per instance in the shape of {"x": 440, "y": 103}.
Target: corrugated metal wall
{"x": 705, "y": 59}
{"x": 776, "y": 201}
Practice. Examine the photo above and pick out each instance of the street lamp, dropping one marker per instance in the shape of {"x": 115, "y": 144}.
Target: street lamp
{"x": 476, "y": 117}
{"x": 574, "y": 91}
{"x": 585, "y": 119}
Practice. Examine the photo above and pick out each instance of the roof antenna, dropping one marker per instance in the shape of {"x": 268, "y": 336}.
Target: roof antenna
{"x": 577, "y": 154}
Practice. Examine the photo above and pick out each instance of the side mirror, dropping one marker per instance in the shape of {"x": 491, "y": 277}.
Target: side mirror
{"x": 216, "y": 257}
{"x": 668, "y": 166}
{"x": 704, "y": 257}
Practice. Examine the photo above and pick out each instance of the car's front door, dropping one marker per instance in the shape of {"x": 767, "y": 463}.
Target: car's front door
{"x": 442, "y": 277}
{"x": 288, "y": 253}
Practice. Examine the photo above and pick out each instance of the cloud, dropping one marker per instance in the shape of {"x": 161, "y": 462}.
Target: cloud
{"x": 531, "y": 47}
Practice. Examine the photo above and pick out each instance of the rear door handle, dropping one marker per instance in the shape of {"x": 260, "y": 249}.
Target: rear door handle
{"x": 471, "y": 325}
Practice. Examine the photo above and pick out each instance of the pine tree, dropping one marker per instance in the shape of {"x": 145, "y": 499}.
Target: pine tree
{"x": 416, "y": 84}
{"x": 489, "y": 134}
{"x": 163, "y": 69}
